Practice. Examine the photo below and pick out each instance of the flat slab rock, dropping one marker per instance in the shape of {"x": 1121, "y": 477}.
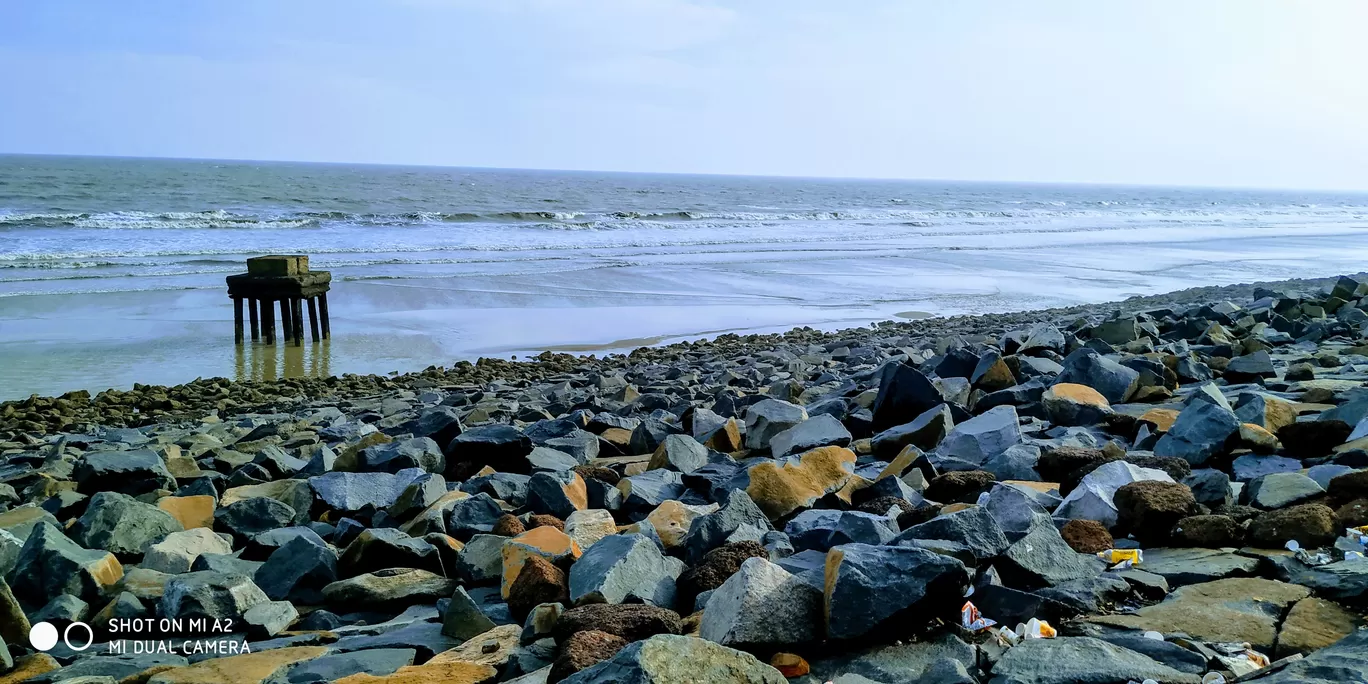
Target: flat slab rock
{"x": 1195, "y": 566}
{"x": 1230, "y": 610}
{"x": 1080, "y": 660}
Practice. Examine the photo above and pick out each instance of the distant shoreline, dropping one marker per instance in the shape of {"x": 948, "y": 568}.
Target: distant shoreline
{"x": 219, "y": 396}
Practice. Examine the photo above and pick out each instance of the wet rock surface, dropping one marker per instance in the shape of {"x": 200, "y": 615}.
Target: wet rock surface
{"x": 830, "y": 503}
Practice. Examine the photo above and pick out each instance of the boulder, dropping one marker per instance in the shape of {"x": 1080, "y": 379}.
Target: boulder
{"x": 135, "y": 472}
{"x": 463, "y": 618}
{"x": 762, "y": 605}
{"x": 122, "y": 525}
{"x": 1207, "y": 531}
{"x": 1149, "y": 509}
{"x": 350, "y": 492}
{"x": 298, "y": 571}
{"x": 679, "y": 452}
{"x": 714, "y": 569}
{"x": 50, "y": 564}
{"x": 780, "y": 487}
{"x": 983, "y": 436}
{"x": 558, "y": 493}
{"x": 1093, "y": 498}
{"x": 822, "y": 529}
{"x": 212, "y": 595}
{"x": 1279, "y": 490}
{"x": 624, "y": 567}
{"x": 1220, "y": 611}
{"x": 1200, "y": 432}
{"x": 582, "y": 651}
{"x": 817, "y": 431}
{"x": 1112, "y": 380}
{"x": 392, "y": 457}
{"x": 1072, "y": 404}
{"x": 388, "y": 589}
{"x": 904, "y": 393}
{"x": 974, "y": 528}
{"x": 176, "y": 553}
{"x": 870, "y": 588}
{"x": 380, "y": 548}
{"x": 1311, "y": 525}
{"x": 925, "y": 432}
{"x": 1313, "y": 624}
{"x": 587, "y": 527}
{"x": 538, "y": 582}
{"x": 1343, "y": 663}
{"x": 1086, "y": 536}
{"x": 547, "y": 542}
{"x": 769, "y": 417}
{"x": 1042, "y": 558}
{"x": 667, "y": 658}
{"x": 631, "y": 621}
{"x": 1080, "y": 660}
{"x": 247, "y": 518}
{"x": 501, "y": 447}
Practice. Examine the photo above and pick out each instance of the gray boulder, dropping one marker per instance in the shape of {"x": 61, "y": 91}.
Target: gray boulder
{"x": 674, "y": 659}
{"x": 821, "y": 529}
{"x": 983, "y": 436}
{"x": 212, "y": 595}
{"x": 1199, "y": 433}
{"x": 817, "y": 431}
{"x": 127, "y": 472}
{"x": 769, "y": 417}
{"x": 1080, "y": 660}
{"x": 122, "y": 525}
{"x": 762, "y": 605}
{"x": 868, "y": 588}
{"x": 973, "y": 527}
{"x": 1111, "y": 379}
{"x": 622, "y": 567}
{"x": 1281, "y": 489}
{"x": 50, "y": 564}
{"x": 925, "y": 432}
{"x": 1042, "y": 558}
{"x": 391, "y": 457}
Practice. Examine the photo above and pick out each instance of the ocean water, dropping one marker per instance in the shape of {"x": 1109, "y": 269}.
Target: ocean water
{"x": 111, "y": 270}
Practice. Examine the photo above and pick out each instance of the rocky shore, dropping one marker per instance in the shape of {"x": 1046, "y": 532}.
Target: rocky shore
{"x": 1168, "y": 489}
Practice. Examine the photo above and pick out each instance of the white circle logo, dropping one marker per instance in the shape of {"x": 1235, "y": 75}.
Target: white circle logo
{"x": 43, "y": 636}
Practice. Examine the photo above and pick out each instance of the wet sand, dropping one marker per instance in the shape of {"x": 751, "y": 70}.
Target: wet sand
{"x": 54, "y": 343}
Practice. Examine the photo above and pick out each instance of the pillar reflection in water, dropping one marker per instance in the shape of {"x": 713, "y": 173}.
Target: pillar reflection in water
{"x": 263, "y": 362}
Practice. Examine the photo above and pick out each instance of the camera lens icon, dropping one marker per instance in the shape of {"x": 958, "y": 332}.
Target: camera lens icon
{"x": 43, "y": 636}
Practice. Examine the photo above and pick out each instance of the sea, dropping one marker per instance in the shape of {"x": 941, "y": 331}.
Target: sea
{"x": 112, "y": 269}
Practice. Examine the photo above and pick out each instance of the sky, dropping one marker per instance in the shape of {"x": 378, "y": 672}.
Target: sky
{"x": 1219, "y": 93}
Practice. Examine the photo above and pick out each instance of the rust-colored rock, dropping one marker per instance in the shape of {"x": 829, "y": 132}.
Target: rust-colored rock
{"x": 508, "y": 525}
{"x": 717, "y": 565}
{"x": 959, "y": 487}
{"x": 583, "y": 650}
{"x": 1149, "y": 509}
{"x": 1086, "y": 536}
{"x": 1207, "y": 531}
{"x": 790, "y": 664}
{"x": 1312, "y": 525}
{"x": 190, "y": 511}
{"x": 538, "y": 582}
{"x": 782, "y": 489}
{"x": 546, "y": 542}
{"x": 631, "y": 621}
{"x": 545, "y": 520}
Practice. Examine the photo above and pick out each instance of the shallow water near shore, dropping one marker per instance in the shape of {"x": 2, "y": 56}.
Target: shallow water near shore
{"x": 111, "y": 270}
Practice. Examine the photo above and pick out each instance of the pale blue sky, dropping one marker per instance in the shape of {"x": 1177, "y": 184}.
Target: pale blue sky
{"x": 1210, "y": 93}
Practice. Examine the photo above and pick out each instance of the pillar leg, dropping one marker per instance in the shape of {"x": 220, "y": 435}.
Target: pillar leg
{"x": 237, "y": 320}
{"x": 255, "y": 319}
{"x": 286, "y": 325}
{"x": 268, "y": 321}
{"x": 323, "y": 314}
{"x": 297, "y": 315}
{"x": 313, "y": 319}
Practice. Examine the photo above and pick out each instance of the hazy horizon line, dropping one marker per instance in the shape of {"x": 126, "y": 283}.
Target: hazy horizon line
{"x": 967, "y": 181}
